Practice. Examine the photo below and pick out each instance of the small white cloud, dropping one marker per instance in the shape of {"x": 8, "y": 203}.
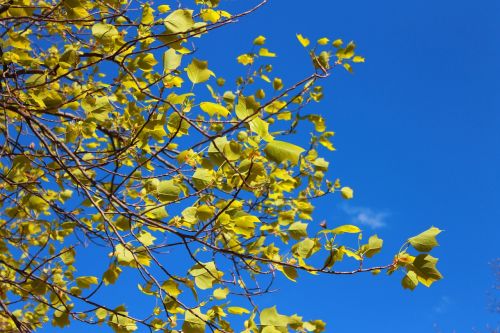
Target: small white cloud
{"x": 366, "y": 216}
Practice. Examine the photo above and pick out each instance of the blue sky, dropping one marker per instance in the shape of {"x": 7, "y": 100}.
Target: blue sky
{"x": 417, "y": 136}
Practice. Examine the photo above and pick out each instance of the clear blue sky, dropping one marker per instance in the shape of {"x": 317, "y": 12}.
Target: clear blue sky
{"x": 417, "y": 136}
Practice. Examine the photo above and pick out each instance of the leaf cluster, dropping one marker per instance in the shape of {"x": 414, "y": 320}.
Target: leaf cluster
{"x": 118, "y": 138}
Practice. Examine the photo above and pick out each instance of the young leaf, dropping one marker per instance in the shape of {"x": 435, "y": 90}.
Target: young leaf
{"x": 303, "y": 41}
{"x": 180, "y": 20}
{"x": 347, "y": 192}
{"x": 280, "y": 151}
{"x": 425, "y": 241}
{"x": 214, "y": 109}
{"x": 198, "y": 71}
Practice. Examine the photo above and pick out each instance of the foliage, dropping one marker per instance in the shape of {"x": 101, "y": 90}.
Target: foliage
{"x": 120, "y": 145}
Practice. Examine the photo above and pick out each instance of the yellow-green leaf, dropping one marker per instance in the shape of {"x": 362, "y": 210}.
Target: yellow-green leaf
{"x": 343, "y": 229}
{"x": 179, "y": 21}
{"x": 198, "y": 71}
{"x": 347, "y": 192}
{"x": 263, "y": 52}
{"x": 147, "y": 14}
{"x": 194, "y": 322}
{"x": 410, "y": 280}
{"x": 168, "y": 191}
{"x": 214, "y": 109}
{"x": 260, "y": 40}
{"x": 280, "y": 151}
{"x": 237, "y": 310}
{"x": 104, "y": 30}
{"x": 303, "y": 41}
{"x": 221, "y": 293}
{"x": 425, "y": 241}
{"x": 358, "y": 59}
{"x": 86, "y": 281}
{"x": 163, "y": 8}
{"x": 323, "y": 41}
{"x": 171, "y": 60}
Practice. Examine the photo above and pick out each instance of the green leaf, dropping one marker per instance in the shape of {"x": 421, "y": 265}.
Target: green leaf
{"x": 179, "y": 21}
{"x": 280, "y": 151}
{"x": 425, "y": 241}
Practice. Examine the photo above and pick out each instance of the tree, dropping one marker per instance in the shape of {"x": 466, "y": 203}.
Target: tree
{"x": 120, "y": 144}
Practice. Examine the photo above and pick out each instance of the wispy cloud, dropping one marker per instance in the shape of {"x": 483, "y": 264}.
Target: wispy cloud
{"x": 366, "y": 216}
{"x": 443, "y": 305}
